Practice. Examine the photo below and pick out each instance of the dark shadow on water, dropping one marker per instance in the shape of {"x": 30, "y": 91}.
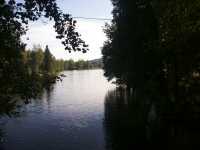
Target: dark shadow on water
{"x": 48, "y": 91}
{"x": 121, "y": 127}
{"x": 30, "y": 88}
{"x": 28, "y": 91}
{"x": 126, "y": 129}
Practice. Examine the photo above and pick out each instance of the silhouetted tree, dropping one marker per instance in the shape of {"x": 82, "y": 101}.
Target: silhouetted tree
{"x": 14, "y": 20}
{"x": 48, "y": 61}
{"x": 153, "y": 48}
{"x": 130, "y": 36}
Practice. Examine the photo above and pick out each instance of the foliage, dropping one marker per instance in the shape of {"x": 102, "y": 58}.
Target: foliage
{"x": 153, "y": 43}
{"x": 15, "y": 16}
{"x": 130, "y": 36}
{"x": 81, "y": 64}
{"x": 17, "y": 66}
{"x": 153, "y": 49}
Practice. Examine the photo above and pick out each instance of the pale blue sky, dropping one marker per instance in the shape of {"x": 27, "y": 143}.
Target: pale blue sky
{"x": 87, "y": 8}
{"x": 91, "y": 30}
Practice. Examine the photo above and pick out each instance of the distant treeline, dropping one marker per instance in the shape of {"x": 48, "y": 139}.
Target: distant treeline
{"x": 33, "y": 71}
{"x": 80, "y": 64}
{"x": 38, "y": 61}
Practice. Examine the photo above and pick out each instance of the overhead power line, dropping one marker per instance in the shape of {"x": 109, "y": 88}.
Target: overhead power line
{"x": 88, "y": 18}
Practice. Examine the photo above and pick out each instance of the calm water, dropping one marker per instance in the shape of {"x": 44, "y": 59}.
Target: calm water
{"x": 85, "y": 112}
{"x": 69, "y": 116}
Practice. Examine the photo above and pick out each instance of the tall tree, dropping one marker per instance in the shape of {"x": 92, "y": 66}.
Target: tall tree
{"x": 14, "y": 19}
{"x": 48, "y": 61}
{"x": 36, "y": 59}
{"x": 153, "y": 48}
{"x": 130, "y": 35}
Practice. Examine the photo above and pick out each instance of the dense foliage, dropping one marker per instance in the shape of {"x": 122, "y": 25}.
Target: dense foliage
{"x": 153, "y": 50}
{"x": 152, "y": 47}
{"x": 41, "y": 62}
{"x": 15, "y": 16}
{"x": 21, "y": 71}
{"x": 81, "y": 64}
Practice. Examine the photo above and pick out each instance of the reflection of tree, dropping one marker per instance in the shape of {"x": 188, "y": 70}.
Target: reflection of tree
{"x": 7, "y": 106}
{"x": 1, "y": 138}
{"x": 122, "y": 125}
{"x": 49, "y": 90}
{"x": 125, "y": 130}
{"x": 11, "y": 104}
{"x": 25, "y": 90}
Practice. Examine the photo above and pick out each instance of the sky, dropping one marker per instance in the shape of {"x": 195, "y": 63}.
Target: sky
{"x": 42, "y": 32}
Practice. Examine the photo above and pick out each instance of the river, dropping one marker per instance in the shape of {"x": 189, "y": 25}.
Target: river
{"x": 69, "y": 116}
{"x": 86, "y": 112}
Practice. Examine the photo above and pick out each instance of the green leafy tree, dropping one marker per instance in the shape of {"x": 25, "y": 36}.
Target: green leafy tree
{"x": 130, "y": 36}
{"x": 153, "y": 48}
{"x": 48, "y": 61}
{"x": 71, "y": 65}
{"x": 14, "y": 20}
{"x": 36, "y": 60}
{"x": 15, "y": 15}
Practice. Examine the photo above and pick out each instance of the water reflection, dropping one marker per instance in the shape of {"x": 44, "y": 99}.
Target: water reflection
{"x": 48, "y": 91}
{"x": 73, "y": 115}
{"x": 67, "y": 115}
{"x": 14, "y": 96}
{"x": 121, "y": 125}
{"x": 13, "y": 106}
{"x": 126, "y": 128}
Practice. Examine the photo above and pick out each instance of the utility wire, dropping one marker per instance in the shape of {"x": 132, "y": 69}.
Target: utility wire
{"x": 87, "y": 18}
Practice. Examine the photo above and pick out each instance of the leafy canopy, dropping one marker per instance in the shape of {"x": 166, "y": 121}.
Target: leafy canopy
{"x": 15, "y": 16}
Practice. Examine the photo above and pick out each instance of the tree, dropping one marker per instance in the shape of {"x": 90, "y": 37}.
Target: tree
{"x": 59, "y": 65}
{"x": 153, "y": 48}
{"x": 131, "y": 34}
{"x": 179, "y": 34}
{"x": 15, "y": 15}
{"x": 14, "y": 19}
{"x": 48, "y": 61}
{"x": 71, "y": 65}
{"x": 36, "y": 60}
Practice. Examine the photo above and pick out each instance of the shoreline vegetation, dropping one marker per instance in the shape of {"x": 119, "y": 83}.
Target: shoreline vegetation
{"x": 39, "y": 61}
{"x": 37, "y": 69}
{"x": 20, "y": 75}
{"x": 152, "y": 48}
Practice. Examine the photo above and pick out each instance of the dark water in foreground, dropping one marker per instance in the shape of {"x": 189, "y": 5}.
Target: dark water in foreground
{"x": 69, "y": 116}
{"x": 85, "y": 112}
